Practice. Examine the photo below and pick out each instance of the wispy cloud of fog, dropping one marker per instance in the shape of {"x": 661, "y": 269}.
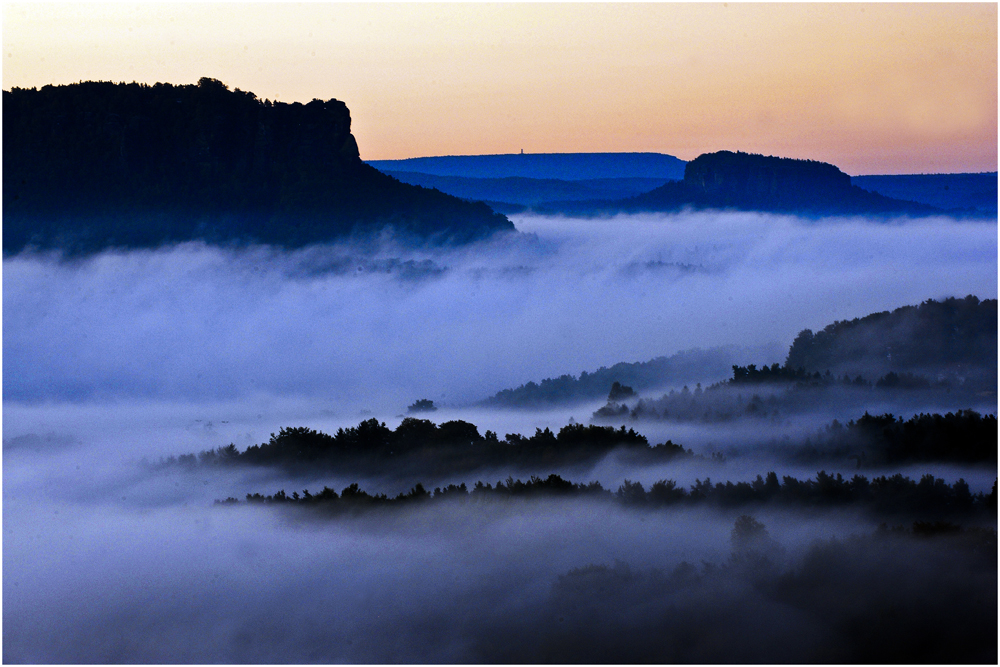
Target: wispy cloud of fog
{"x": 378, "y": 326}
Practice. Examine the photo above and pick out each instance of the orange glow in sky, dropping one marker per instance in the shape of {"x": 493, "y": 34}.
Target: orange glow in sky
{"x": 872, "y": 88}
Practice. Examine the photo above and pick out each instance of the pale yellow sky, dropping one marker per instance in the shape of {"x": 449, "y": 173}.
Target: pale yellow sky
{"x": 872, "y": 88}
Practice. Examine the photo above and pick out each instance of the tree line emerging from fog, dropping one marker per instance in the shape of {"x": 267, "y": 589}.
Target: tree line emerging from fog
{"x": 964, "y": 437}
{"x": 950, "y": 331}
{"x": 776, "y": 392}
{"x": 422, "y": 447}
{"x": 883, "y": 495}
{"x": 800, "y": 378}
{"x": 686, "y": 366}
{"x": 954, "y": 338}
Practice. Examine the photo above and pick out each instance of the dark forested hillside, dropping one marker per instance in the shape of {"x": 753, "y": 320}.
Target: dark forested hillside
{"x": 952, "y": 332}
{"x": 99, "y": 164}
{"x": 687, "y": 367}
{"x": 419, "y": 446}
{"x": 895, "y": 496}
{"x": 938, "y": 345}
{"x": 939, "y": 352}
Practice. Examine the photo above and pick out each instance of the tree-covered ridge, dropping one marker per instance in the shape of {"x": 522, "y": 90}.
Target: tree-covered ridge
{"x": 930, "y": 497}
{"x": 948, "y": 345}
{"x": 801, "y": 378}
{"x": 933, "y": 334}
{"x": 938, "y": 350}
{"x": 99, "y": 164}
{"x": 963, "y": 436}
{"x": 688, "y": 366}
{"x": 776, "y": 398}
{"x": 750, "y": 374}
{"x": 420, "y": 445}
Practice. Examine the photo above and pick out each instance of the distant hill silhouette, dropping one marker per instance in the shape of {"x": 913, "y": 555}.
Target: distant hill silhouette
{"x": 757, "y": 181}
{"x": 99, "y": 164}
{"x": 743, "y": 181}
{"x": 516, "y": 193}
{"x": 557, "y": 166}
{"x": 958, "y": 333}
{"x": 562, "y": 183}
{"x": 947, "y": 339}
{"x": 973, "y": 193}
{"x": 686, "y": 367}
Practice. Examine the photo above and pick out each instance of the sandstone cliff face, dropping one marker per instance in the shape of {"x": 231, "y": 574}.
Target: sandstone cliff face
{"x": 108, "y": 164}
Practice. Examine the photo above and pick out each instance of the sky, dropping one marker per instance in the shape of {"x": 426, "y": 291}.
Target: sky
{"x": 871, "y": 88}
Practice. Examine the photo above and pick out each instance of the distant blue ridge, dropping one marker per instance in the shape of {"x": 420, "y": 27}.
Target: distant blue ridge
{"x": 946, "y": 191}
{"x": 561, "y": 166}
{"x": 584, "y": 183}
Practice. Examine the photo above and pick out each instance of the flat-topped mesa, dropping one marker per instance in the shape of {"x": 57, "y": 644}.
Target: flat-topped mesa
{"x": 761, "y": 180}
{"x": 746, "y": 182}
{"x": 101, "y": 144}
{"x": 99, "y": 164}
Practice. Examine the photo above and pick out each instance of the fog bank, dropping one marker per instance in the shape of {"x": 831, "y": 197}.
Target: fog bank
{"x": 376, "y": 327}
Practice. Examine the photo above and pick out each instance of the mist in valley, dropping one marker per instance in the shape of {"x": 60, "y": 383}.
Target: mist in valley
{"x": 116, "y": 361}
{"x": 348, "y": 325}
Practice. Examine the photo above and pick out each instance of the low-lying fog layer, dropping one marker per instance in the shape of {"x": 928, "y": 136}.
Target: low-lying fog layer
{"x": 233, "y": 585}
{"x": 125, "y": 356}
{"x": 378, "y": 327}
{"x": 116, "y": 582}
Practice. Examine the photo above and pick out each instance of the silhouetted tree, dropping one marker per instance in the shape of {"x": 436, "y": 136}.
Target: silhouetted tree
{"x": 619, "y": 392}
{"x": 422, "y": 405}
